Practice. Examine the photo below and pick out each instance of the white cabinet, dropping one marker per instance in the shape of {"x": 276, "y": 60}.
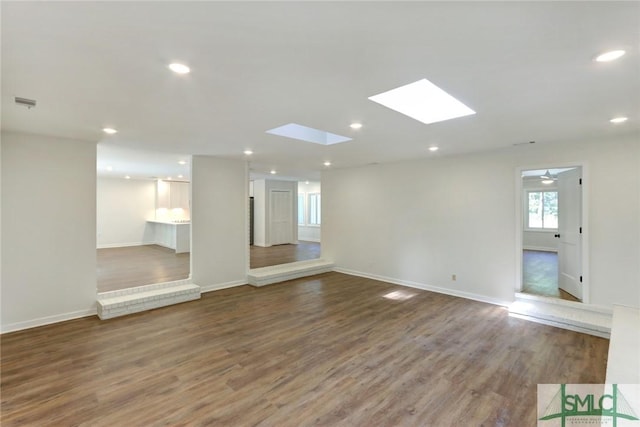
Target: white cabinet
{"x": 179, "y": 195}
{"x": 172, "y": 195}
{"x": 163, "y": 191}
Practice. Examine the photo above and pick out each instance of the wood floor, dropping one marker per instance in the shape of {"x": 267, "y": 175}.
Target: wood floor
{"x": 330, "y": 350}
{"x": 283, "y": 254}
{"x": 540, "y": 275}
{"x": 121, "y": 268}
{"x": 127, "y": 267}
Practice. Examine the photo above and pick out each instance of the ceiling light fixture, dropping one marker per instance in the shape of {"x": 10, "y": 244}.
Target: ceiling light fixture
{"x": 180, "y": 176}
{"x": 610, "y": 56}
{"x": 423, "y": 101}
{"x": 617, "y": 120}
{"x": 179, "y": 68}
{"x": 248, "y": 152}
{"x": 109, "y": 131}
{"x": 547, "y": 181}
{"x": 355, "y": 125}
{"x": 273, "y": 172}
{"x": 306, "y": 182}
{"x": 109, "y": 168}
{"x": 182, "y": 162}
{"x": 434, "y": 148}
{"x": 327, "y": 163}
{"x": 127, "y": 177}
{"x": 169, "y": 178}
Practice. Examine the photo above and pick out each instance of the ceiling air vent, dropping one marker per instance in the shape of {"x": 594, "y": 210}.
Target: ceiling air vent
{"x": 29, "y": 103}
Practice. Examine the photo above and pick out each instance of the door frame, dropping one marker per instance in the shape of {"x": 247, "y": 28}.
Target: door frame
{"x": 586, "y": 294}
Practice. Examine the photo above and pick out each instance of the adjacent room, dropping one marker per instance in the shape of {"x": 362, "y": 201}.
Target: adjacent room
{"x": 319, "y": 213}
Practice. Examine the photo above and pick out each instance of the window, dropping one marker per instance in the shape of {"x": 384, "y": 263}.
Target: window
{"x": 314, "y": 209}
{"x": 300, "y": 208}
{"x": 542, "y": 210}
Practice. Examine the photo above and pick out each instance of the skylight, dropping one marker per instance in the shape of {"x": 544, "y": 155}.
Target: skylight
{"x": 303, "y": 133}
{"x": 423, "y": 101}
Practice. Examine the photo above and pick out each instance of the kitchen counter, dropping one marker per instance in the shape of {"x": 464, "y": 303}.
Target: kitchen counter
{"x": 172, "y": 235}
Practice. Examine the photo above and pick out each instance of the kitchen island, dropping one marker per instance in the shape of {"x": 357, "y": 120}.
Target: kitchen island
{"x": 172, "y": 234}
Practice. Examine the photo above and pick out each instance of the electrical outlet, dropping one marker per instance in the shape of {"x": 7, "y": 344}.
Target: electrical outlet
{"x": 453, "y": 277}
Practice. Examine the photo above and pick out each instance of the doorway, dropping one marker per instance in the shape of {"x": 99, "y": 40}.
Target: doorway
{"x": 551, "y": 222}
{"x": 285, "y": 221}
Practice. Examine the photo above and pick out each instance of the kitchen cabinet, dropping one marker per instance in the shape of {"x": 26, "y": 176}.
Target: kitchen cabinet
{"x": 172, "y": 195}
{"x": 179, "y": 195}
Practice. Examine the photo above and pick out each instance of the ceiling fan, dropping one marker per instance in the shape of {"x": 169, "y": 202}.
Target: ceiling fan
{"x": 547, "y": 178}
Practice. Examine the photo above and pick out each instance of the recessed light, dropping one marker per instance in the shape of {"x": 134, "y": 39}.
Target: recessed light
{"x": 127, "y": 177}
{"x": 248, "y": 152}
{"x": 306, "y": 182}
{"x": 109, "y": 131}
{"x": 179, "y": 68}
{"x": 423, "y": 101}
{"x": 619, "y": 120}
{"x": 182, "y": 162}
{"x": 169, "y": 178}
{"x": 273, "y": 172}
{"x": 355, "y": 125}
{"x": 327, "y": 163}
{"x": 434, "y": 148}
{"x": 180, "y": 176}
{"x": 610, "y": 56}
{"x": 109, "y": 168}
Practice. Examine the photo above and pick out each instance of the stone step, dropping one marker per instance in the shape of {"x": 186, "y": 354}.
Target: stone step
{"x": 142, "y": 298}
{"x": 586, "y": 318}
{"x": 281, "y": 273}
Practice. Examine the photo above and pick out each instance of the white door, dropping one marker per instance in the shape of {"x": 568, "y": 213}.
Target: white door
{"x": 569, "y": 232}
{"x": 281, "y": 222}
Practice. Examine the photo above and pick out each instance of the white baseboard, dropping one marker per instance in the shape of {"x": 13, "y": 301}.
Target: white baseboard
{"x": 539, "y": 248}
{"x": 218, "y": 286}
{"x": 125, "y": 245}
{"x": 425, "y": 287}
{"x": 42, "y": 321}
{"x": 309, "y": 240}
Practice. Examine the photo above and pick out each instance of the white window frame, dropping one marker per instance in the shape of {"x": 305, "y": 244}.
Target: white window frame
{"x": 318, "y": 212}
{"x": 526, "y": 209}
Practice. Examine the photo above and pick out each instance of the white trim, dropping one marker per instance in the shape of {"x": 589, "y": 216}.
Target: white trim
{"x": 42, "y": 321}
{"x": 309, "y": 240}
{"x": 539, "y": 248}
{"x": 571, "y": 315}
{"x": 125, "y": 245}
{"x": 219, "y": 286}
{"x": 519, "y": 223}
{"x": 561, "y": 325}
{"x": 425, "y": 287}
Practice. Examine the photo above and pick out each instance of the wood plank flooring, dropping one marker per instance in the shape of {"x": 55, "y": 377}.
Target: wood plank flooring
{"x": 540, "y": 275}
{"x": 328, "y": 350}
{"x": 283, "y": 254}
{"x": 127, "y": 267}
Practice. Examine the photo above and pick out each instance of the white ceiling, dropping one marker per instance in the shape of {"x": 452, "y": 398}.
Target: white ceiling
{"x": 526, "y": 68}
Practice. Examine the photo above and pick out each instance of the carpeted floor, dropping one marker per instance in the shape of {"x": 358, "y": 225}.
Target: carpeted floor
{"x": 540, "y": 275}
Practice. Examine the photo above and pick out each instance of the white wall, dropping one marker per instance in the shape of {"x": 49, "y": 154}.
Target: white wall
{"x": 219, "y": 228}
{"x": 48, "y": 230}
{"x": 309, "y": 233}
{"x": 538, "y": 240}
{"x": 123, "y": 207}
{"x": 259, "y": 212}
{"x": 261, "y": 220}
{"x": 421, "y": 221}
